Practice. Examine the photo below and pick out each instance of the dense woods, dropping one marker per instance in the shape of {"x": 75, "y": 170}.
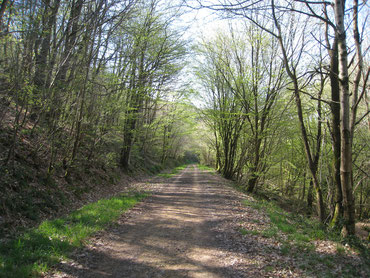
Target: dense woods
{"x": 96, "y": 84}
{"x": 287, "y": 102}
{"x": 86, "y": 86}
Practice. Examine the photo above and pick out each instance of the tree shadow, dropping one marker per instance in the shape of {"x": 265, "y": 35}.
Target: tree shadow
{"x": 176, "y": 233}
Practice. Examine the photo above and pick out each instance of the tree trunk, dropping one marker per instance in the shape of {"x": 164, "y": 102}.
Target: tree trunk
{"x": 304, "y": 186}
{"x": 256, "y": 163}
{"x": 49, "y": 20}
{"x": 345, "y": 130}
{"x": 128, "y": 140}
{"x": 71, "y": 38}
{"x": 252, "y": 183}
{"x": 310, "y": 196}
{"x": 254, "y": 175}
{"x": 2, "y": 11}
{"x": 335, "y": 111}
{"x": 311, "y": 163}
{"x": 164, "y": 145}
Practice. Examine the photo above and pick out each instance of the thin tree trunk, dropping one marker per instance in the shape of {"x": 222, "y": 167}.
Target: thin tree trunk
{"x": 311, "y": 163}
{"x": 336, "y": 141}
{"x": 71, "y": 37}
{"x": 304, "y": 186}
{"x": 346, "y": 143}
{"x": 42, "y": 57}
{"x": 2, "y": 11}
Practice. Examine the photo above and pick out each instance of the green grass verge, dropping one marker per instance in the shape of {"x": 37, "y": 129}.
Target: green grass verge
{"x": 173, "y": 172}
{"x": 204, "y": 167}
{"x": 296, "y": 233}
{"x": 36, "y": 250}
{"x": 296, "y": 227}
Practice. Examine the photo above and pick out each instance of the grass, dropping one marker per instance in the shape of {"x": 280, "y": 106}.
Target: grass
{"x": 165, "y": 175}
{"x": 173, "y": 172}
{"x": 297, "y": 234}
{"x": 35, "y": 251}
{"x": 248, "y": 232}
{"x": 296, "y": 227}
{"x": 176, "y": 170}
{"x": 204, "y": 167}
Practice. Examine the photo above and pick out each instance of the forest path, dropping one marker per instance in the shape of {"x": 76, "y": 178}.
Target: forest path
{"x": 174, "y": 233}
{"x": 196, "y": 225}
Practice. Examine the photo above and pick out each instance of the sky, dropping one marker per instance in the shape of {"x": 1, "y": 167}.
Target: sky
{"x": 199, "y": 24}
{"x": 204, "y": 23}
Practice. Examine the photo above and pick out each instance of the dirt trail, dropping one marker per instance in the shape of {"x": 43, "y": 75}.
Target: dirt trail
{"x": 172, "y": 234}
{"x": 192, "y": 226}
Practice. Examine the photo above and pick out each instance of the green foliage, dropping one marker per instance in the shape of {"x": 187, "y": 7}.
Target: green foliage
{"x": 173, "y": 171}
{"x": 296, "y": 235}
{"x": 243, "y": 98}
{"x": 71, "y": 123}
{"x": 248, "y": 232}
{"x": 296, "y": 227}
{"x": 36, "y": 250}
{"x": 165, "y": 175}
{"x": 204, "y": 167}
{"x": 154, "y": 169}
{"x": 285, "y": 248}
{"x": 340, "y": 249}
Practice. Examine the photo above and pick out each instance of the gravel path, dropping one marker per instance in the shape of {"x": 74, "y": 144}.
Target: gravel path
{"x": 172, "y": 234}
{"x": 189, "y": 227}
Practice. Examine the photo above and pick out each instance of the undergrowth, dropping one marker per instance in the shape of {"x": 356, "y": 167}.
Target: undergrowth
{"x": 30, "y": 195}
{"x": 297, "y": 234}
{"x": 36, "y": 250}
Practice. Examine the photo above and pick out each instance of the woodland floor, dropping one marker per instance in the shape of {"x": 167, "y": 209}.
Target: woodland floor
{"x": 190, "y": 227}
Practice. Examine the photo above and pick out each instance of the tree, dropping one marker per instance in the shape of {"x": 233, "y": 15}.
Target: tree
{"x": 243, "y": 78}
{"x": 3, "y": 7}
{"x": 154, "y": 61}
{"x": 225, "y": 114}
{"x": 317, "y": 12}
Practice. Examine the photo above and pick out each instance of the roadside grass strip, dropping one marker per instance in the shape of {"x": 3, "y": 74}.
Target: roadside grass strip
{"x": 204, "y": 167}
{"x": 34, "y": 252}
{"x": 298, "y": 234}
{"x": 173, "y": 172}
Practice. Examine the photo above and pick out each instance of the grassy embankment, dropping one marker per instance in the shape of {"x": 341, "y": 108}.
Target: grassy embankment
{"x": 37, "y": 249}
{"x": 297, "y": 235}
{"x": 34, "y": 252}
